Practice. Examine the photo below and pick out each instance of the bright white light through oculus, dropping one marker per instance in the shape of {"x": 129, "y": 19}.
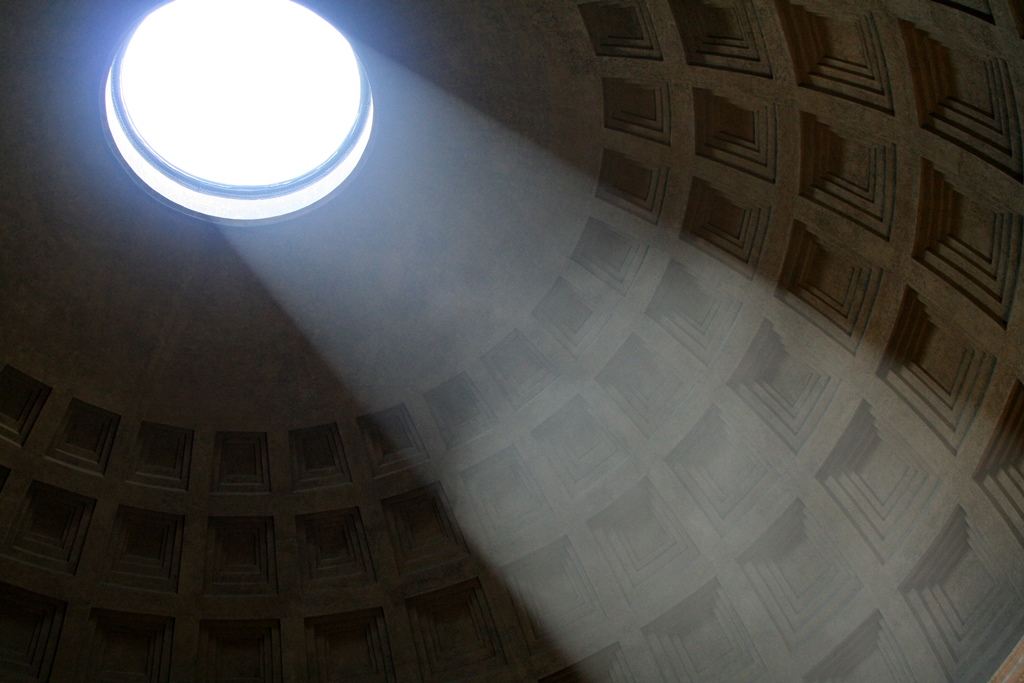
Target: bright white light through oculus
{"x": 238, "y": 94}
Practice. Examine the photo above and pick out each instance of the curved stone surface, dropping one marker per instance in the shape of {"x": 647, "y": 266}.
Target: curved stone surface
{"x": 655, "y": 340}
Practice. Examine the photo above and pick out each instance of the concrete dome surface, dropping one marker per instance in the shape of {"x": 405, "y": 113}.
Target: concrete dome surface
{"x": 654, "y": 340}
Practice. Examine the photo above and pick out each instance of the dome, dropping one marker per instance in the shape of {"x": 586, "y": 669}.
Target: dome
{"x": 651, "y": 340}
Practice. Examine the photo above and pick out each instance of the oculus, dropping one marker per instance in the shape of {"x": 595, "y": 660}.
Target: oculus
{"x": 238, "y": 110}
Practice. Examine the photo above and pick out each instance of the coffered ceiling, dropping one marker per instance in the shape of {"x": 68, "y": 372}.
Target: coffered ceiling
{"x": 654, "y": 340}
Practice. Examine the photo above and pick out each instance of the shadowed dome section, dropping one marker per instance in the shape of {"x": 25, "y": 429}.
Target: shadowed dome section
{"x": 236, "y": 109}
{"x": 658, "y": 340}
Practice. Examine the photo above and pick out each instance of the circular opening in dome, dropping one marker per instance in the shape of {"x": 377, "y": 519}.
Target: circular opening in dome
{"x": 238, "y": 109}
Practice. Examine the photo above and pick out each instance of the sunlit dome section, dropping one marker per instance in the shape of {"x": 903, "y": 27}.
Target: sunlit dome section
{"x": 238, "y": 109}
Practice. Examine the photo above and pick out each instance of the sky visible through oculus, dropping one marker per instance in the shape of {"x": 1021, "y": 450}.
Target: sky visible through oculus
{"x": 240, "y": 92}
